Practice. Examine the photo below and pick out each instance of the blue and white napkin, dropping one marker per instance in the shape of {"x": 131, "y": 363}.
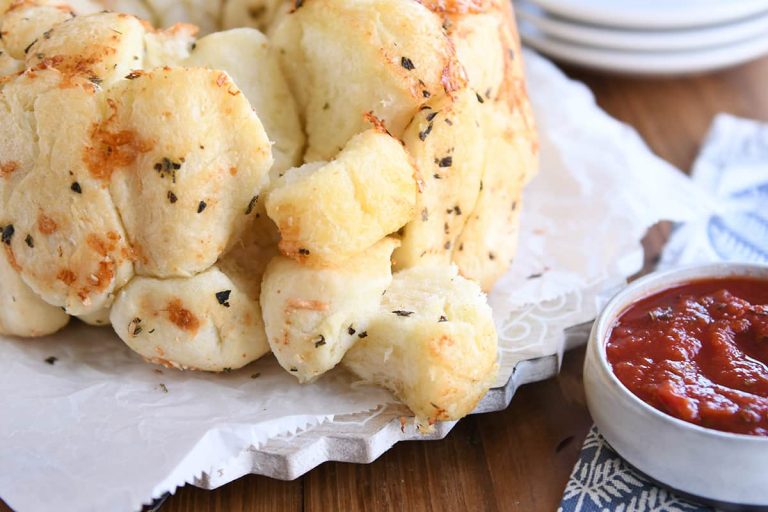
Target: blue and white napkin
{"x": 602, "y": 481}
{"x": 733, "y": 168}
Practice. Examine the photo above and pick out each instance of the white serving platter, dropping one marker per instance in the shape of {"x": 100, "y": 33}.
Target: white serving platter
{"x": 641, "y": 40}
{"x": 645, "y": 62}
{"x": 532, "y": 342}
{"x": 656, "y": 14}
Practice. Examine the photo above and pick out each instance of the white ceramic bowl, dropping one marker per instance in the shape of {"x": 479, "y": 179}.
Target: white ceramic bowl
{"x": 715, "y": 466}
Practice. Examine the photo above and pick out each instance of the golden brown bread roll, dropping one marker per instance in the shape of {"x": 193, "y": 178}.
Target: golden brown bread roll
{"x": 448, "y": 145}
{"x": 346, "y": 58}
{"x": 197, "y": 157}
{"x": 328, "y": 212}
{"x": 67, "y": 240}
{"x": 432, "y": 343}
{"x": 154, "y": 180}
{"x": 205, "y": 322}
{"x": 313, "y": 316}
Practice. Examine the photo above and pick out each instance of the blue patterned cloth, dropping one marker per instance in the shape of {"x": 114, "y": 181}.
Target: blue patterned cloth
{"x": 733, "y": 169}
{"x": 602, "y": 481}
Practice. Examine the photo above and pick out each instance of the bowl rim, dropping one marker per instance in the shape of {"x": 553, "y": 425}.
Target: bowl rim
{"x": 666, "y": 279}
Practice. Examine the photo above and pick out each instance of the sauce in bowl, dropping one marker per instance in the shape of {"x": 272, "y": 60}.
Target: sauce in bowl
{"x": 699, "y": 352}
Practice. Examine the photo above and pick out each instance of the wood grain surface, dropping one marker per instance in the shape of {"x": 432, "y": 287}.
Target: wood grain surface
{"x": 520, "y": 458}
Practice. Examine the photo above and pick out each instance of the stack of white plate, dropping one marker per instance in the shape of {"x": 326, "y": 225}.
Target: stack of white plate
{"x": 646, "y": 37}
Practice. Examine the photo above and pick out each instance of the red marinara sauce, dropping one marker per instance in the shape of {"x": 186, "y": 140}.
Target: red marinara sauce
{"x": 699, "y": 352}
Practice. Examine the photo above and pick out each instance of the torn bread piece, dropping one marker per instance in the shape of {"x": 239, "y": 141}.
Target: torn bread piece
{"x": 313, "y": 316}
{"x": 448, "y": 147}
{"x": 345, "y": 58}
{"x": 488, "y": 243}
{"x": 432, "y": 343}
{"x": 328, "y": 212}
{"x": 205, "y": 322}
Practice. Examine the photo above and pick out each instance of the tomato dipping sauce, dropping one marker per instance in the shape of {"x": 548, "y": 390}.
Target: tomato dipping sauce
{"x": 699, "y": 352}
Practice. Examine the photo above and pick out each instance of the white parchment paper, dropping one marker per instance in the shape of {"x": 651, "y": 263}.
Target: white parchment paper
{"x": 101, "y": 430}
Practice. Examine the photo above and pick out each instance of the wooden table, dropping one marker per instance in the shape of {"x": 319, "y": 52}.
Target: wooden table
{"x": 520, "y": 458}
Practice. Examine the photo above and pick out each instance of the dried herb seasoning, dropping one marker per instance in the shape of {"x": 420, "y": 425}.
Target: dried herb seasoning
{"x": 134, "y": 327}
{"x": 407, "y": 63}
{"x": 30, "y": 241}
{"x": 251, "y": 205}
{"x": 425, "y": 133}
{"x": 202, "y": 205}
{"x": 320, "y": 341}
{"x": 222, "y": 297}
{"x": 29, "y": 47}
{"x": 402, "y": 313}
{"x": 75, "y": 187}
{"x": 8, "y": 234}
{"x": 167, "y": 167}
